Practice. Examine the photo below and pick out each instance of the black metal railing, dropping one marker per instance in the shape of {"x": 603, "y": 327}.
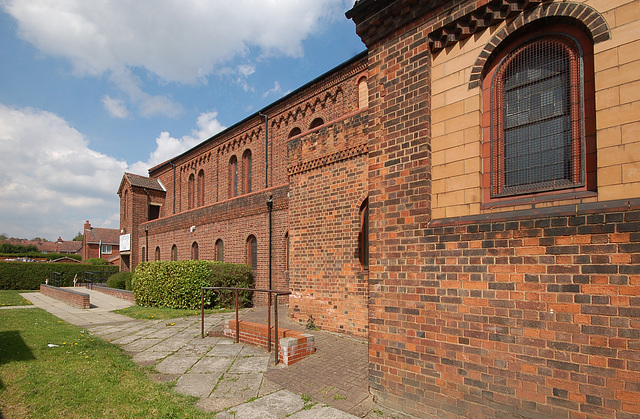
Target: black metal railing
{"x": 236, "y": 290}
{"x": 55, "y": 279}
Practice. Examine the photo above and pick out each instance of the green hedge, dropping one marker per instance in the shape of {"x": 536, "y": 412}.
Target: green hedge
{"x": 121, "y": 280}
{"x": 29, "y": 275}
{"x": 179, "y": 284}
{"x": 38, "y": 255}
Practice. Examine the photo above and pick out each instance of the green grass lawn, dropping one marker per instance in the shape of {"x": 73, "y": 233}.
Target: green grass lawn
{"x": 82, "y": 377}
{"x": 13, "y": 298}
{"x": 163, "y": 313}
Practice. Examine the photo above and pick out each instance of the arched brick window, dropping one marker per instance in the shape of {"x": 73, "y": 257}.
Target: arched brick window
{"x": 143, "y": 257}
{"x": 363, "y": 93}
{"x": 233, "y": 176}
{"x": 363, "y": 236}
{"x": 286, "y": 247}
{"x": 219, "y": 250}
{"x": 540, "y": 113}
{"x": 194, "y": 251}
{"x": 157, "y": 255}
{"x": 125, "y": 212}
{"x": 191, "y": 192}
{"x": 246, "y": 171}
{"x": 316, "y": 123}
{"x": 252, "y": 252}
{"x": 174, "y": 252}
{"x": 201, "y": 188}
{"x": 294, "y": 132}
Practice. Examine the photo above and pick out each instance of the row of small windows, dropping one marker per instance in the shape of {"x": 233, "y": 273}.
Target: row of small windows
{"x": 252, "y": 252}
{"x": 196, "y": 185}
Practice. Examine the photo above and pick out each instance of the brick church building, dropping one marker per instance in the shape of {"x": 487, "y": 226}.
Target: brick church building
{"x": 465, "y": 193}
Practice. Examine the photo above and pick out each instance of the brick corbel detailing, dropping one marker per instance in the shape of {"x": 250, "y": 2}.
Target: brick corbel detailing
{"x": 123, "y": 294}
{"x": 526, "y": 314}
{"x": 293, "y": 345}
{"x": 71, "y": 297}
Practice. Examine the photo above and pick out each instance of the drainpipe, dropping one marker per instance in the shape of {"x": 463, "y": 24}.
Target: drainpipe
{"x": 270, "y": 208}
{"x": 146, "y": 249}
{"x": 266, "y": 149}
{"x": 174, "y": 186}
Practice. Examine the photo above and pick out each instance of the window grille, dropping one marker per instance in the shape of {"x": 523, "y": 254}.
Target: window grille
{"x": 537, "y": 114}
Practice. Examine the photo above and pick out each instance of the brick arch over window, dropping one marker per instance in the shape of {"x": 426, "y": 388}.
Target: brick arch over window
{"x": 593, "y": 21}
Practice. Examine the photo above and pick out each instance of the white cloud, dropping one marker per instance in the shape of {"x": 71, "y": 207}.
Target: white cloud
{"x": 175, "y": 41}
{"x": 168, "y": 146}
{"x": 115, "y": 107}
{"x": 276, "y": 90}
{"x": 51, "y": 181}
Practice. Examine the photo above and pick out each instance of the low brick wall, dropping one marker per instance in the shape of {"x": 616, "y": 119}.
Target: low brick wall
{"x": 293, "y": 345}
{"x": 115, "y": 292}
{"x": 66, "y": 295}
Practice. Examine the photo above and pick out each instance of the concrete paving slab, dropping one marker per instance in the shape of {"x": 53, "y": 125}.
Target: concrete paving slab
{"x": 237, "y": 388}
{"x": 148, "y": 358}
{"x": 248, "y": 364}
{"x": 212, "y": 364}
{"x": 176, "y": 364}
{"x": 141, "y": 344}
{"x": 224, "y": 349}
{"x": 280, "y": 404}
{"x": 268, "y": 387}
{"x": 198, "y": 385}
{"x": 321, "y": 412}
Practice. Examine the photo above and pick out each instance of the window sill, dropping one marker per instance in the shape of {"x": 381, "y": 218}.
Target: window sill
{"x": 549, "y": 197}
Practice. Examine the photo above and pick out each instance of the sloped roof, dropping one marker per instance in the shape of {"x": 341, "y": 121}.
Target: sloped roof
{"x": 69, "y": 246}
{"x": 104, "y": 235}
{"x": 144, "y": 182}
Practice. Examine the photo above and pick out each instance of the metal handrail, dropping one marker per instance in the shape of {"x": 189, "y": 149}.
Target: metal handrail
{"x": 236, "y": 289}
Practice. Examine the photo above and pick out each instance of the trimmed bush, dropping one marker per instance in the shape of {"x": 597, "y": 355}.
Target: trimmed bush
{"x": 97, "y": 262}
{"x": 121, "y": 280}
{"x": 179, "y": 284}
{"x": 38, "y": 255}
{"x": 29, "y": 276}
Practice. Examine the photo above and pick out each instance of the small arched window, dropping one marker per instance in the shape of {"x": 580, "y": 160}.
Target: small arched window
{"x": 252, "y": 252}
{"x": 316, "y": 123}
{"x": 157, "y": 253}
{"x": 190, "y": 192}
{"x": 125, "y": 212}
{"x": 201, "y": 188}
{"x": 286, "y": 250}
{"x": 219, "y": 250}
{"x": 194, "y": 251}
{"x": 247, "y": 171}
{"x": 363, "y": 236}
{"x": 144, "y": 254}
{"x": 174, "y": 252}
{"x": 233, "y": 176}
{"x": 294, "y": 132}
{"x": 363, "y": 93}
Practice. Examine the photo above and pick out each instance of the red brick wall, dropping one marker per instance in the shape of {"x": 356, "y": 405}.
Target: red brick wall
{"x": 328, "y": 183}
{"x": 71, "y": 297}
{"x": 518, "y": 313}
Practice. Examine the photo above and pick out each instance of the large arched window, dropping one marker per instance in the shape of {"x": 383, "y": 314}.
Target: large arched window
{"x": 219, "y": 250}
{"x": 191, "y": 192}
{"x": 246, "y": 171}
{"x": 537, "y": 127}
{"x": 174, "y": 252}
{"x": 286, "y": 251}
{"x": 194, "y": 251}
{"x": 233, "y": 177}
{"x": 143, "y": 256}
{"x": 201, "y": 188}
{"x": 157, "y": 256}
{"x": 363, "y": 236}
{"x": 252, "y": 252}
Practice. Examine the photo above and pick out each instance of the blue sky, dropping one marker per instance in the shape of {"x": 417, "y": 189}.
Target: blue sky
{"x": 89, "y": 90}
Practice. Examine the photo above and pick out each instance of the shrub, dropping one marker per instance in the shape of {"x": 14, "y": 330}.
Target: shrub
{"x": 97, "y": 262}
{"x": 121, "y": 280}
{"x": 179, "y": 284}
{"x": 29, "y": 276}
{"x": 38, "y": 255}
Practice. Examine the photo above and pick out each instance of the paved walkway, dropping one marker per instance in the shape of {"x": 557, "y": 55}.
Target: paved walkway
{"x": 236, "y": 380}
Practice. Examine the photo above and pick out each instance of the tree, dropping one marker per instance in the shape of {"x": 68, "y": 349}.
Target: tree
{"x": 78, "y": 237}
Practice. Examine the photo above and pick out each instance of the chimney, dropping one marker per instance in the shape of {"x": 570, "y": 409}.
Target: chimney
{"x": 87, "y": 225}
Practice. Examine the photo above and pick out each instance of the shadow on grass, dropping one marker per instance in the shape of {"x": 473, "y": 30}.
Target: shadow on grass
{"x": 13, "y": 348}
